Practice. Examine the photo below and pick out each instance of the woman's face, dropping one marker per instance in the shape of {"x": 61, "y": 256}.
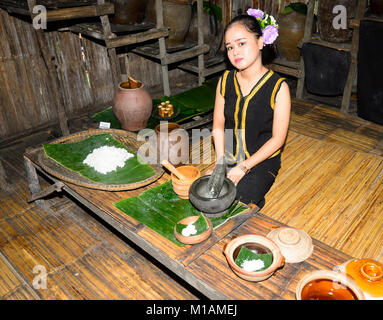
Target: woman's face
{"x": 243, "y": 47}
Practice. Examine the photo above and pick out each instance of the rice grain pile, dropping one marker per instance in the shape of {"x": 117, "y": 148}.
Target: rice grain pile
{"x": 106, "y": 159}
{"x": 189, "y": 230}
{"x": 253, "y": 265}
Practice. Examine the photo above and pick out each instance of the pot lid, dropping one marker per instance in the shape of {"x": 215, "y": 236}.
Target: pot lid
{"x": 368, "y": 274}
{"x": 296, "y": 245}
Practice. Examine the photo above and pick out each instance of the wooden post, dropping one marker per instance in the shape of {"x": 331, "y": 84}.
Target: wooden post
{"x": 114, "y": 65}
{"x": 306, "y": 37}
{"x": 201, "y": 62}
{"x": 162, "y": 46}
{"x": 352, "y": 71}
{"x": 33, "y": 182}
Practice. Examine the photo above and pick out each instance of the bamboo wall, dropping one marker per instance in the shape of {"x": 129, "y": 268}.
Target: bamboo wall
{"x": 27, "y": 97}
{"x": 27, "y": 100}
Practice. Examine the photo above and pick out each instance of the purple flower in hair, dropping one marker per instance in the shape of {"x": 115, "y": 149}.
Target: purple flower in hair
{"x": 255, "y": 13}
{"x": 270, "y": 33}
{"x": 268, "y": 25}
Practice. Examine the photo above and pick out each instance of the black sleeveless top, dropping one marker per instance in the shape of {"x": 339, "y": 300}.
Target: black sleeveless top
{"x": 249, "y": 119}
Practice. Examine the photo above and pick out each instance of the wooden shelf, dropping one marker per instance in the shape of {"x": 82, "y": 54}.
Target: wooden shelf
{"x": 212, "y": 65}
{"x": 285, "y": 66}
{"x": 122, "y": 35}
{"x": 60, "y": 13}
{"x": 186, "y": 51}
{"x": 315, "y": 39}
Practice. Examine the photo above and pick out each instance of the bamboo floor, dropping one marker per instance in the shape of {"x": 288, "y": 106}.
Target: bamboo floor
{"x": 331, "y": 181}
{"x": 330, "y": 185}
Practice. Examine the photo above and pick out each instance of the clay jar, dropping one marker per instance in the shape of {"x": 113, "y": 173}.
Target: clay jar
{"x": 172, "y": 143}
{"x": 128, "y": 11}
{"x": 177, "y": 16}
{"x": 377, "y": 7}
{"x": 327, "y": 31}
{"x": 132, "y": 105}
{"x": 291, "y": 31}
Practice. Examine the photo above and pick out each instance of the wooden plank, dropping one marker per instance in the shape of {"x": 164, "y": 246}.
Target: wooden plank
{"x": 212, "y": 265}
{"x": 80, "y": 12}
{"x": 285, "y": 70}
{"x": 137, "y": 38}
{"x": 185, "y": 54}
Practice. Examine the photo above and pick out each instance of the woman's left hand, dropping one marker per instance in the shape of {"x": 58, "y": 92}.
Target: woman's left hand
{"x": 236, "y": 174}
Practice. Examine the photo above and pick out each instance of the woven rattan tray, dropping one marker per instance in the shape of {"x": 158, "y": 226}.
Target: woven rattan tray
{"x": 127, "y": 138}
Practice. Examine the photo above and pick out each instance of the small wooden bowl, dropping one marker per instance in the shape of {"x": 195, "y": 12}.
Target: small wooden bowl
{"x": 259, "y": 241}
{"x": 193, "y": 239}
{"x": 328, "y": 285}
{"x": 181, "y": 187}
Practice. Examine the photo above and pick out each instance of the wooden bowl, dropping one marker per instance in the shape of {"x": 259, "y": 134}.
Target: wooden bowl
{"x": 181, "y": 187}
{"x": 296, "y": 245}
{"x": 196, "y": 238}
{"x": 328, "y": 285}
{"x": 261, "y": 243}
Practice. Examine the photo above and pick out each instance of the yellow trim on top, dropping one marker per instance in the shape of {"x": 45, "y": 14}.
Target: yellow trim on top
{"x": 223, "y": 84}
{"x": 275, "y": 153}
{"x": 272, "y": 99}
{"x": 238, "y": 91}
{"x": 246, "y": 104}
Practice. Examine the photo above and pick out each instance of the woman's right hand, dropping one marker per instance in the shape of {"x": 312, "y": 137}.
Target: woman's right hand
{"x": 209, "y": 171}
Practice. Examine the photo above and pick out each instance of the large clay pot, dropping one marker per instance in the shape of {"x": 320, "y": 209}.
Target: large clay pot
{"x": 291, "y": 31}
{"x": 377, "y": 7}
{"x": 325, "y": 20}
{"x": 132, "y": 106}
{"x": 177, "y": 16}
{"x": 172, "y": 143}
{"x": 128, "y": 11}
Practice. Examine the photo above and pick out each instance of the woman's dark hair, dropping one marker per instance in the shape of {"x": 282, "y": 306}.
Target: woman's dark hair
{"x": 250, "y": 23}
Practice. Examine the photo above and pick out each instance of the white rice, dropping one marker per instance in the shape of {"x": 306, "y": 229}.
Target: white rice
{"x": 253, "y": 265}
{"x": 106, "y": 159}
{"x": 189, "y": 230}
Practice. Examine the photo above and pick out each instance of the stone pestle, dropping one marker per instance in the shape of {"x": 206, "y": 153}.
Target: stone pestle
{"x": 216, "y": 180}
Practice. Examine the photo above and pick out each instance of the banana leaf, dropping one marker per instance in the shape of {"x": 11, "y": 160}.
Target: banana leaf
{"x": 72, "y": 155}
{"x": 193, "y": 102}
{"x": 246, "y": 254}
{"x": 160, "y": 209}
{"x": 200, "y": 225}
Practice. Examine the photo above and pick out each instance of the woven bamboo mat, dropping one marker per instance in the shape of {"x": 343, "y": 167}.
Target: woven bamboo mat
{"x": 126, "y": 138}
{"x": 332, "y": 192}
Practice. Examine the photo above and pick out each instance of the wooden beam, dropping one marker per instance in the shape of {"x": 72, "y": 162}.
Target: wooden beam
{"x": 285, "y": 70}
{"x": 80, "y": 12}
{"x": 136, "y": 38}
{"x": 185, "y": 54}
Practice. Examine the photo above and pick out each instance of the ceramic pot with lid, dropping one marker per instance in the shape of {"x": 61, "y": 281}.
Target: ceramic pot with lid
{"x": 328, "y": 285}
{"x": 368, "y": 275}
{"x": 296, "y": 245}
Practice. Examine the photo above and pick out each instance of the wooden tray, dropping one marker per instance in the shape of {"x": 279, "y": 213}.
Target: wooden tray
{"x": 127, "y": 138}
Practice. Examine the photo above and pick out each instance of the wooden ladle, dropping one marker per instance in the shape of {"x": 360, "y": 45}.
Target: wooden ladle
{"x": 173, "y": 170}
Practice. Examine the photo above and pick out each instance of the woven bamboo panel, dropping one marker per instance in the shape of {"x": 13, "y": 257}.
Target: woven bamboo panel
{"x": 332, "y": 192}
{"x": 126, "y": 138}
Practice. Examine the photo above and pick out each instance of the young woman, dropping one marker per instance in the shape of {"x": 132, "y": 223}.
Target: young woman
{"x": 251, "y": 114}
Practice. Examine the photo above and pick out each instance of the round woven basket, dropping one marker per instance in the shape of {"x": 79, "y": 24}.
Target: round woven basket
{"x": 126, "y": 138}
